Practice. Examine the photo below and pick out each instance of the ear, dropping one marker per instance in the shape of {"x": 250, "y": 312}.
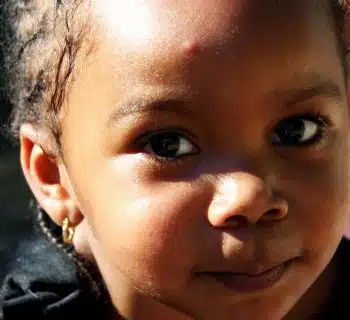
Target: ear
{"x": 47, "y": 176}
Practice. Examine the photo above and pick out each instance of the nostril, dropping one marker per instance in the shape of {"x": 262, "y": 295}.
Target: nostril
{"x": 272, "y": 214}
{"x": 236, "y": 221}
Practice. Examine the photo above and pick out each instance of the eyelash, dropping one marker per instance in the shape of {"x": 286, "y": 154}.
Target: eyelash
{"x": 322, "y": 121}
{"x": 144, "y": 140}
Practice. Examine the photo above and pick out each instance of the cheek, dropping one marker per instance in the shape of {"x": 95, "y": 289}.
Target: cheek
{"x": 320, "y": 204}
{"x": 143, "y": 228}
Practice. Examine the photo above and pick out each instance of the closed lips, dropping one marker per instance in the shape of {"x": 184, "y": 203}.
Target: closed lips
{"x": 249, "y": 282}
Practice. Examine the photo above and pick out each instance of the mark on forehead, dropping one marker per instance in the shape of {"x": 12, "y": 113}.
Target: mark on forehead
{"x": 191, "y": 47}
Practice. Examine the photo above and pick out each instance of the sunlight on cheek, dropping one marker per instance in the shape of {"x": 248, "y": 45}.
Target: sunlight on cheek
{"x": 131, "y": 19}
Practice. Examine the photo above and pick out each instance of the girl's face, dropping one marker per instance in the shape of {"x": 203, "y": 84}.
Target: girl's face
{"x": 207, "y": 146}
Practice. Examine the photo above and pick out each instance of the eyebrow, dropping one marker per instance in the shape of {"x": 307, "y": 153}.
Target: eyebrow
{"x": 175, "y": 106}
{"x": 320, "y": 87}
{"x": 316, "y": 85}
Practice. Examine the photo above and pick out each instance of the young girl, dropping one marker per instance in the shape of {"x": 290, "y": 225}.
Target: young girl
{"x": 195, "y": 155}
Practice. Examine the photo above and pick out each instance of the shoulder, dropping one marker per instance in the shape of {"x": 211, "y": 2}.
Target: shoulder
{"x": 43, "y": 282}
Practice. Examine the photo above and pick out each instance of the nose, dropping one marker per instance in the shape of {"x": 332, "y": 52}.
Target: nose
{"x": 245, "y": 199}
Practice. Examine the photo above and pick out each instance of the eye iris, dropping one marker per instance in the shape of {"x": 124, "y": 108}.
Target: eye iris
{"x": 291, "y": 131}
{"x": 165, "y": 145}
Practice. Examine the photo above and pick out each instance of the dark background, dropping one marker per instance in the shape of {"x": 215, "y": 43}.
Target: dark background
{"x": 14, "y": 195}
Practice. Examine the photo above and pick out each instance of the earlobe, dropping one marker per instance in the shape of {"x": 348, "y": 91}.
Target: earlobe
{"x": 43, "y": 171}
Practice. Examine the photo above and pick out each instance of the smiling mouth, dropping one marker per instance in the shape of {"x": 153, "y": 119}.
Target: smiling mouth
{"x": 248, "y": 283}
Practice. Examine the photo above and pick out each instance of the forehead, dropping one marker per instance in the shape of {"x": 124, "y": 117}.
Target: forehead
{"x": 156, "y": 33}
{"x": 239, "y": 49}
{"x": 140, "y": 21}
{"x": 145, "y": 24}
{"x": 204, "y": 18}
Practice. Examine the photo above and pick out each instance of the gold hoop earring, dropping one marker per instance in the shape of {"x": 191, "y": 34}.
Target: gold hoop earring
{"x": 344, "y": 4}
{"x": 67, "y": 231}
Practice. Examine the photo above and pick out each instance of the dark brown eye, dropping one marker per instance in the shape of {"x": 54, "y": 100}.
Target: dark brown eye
{"x": 168, "y": 145}
{"x": 298, "y": 131}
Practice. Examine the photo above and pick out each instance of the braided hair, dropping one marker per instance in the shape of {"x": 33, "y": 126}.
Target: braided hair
{"x": 46, "y": 37}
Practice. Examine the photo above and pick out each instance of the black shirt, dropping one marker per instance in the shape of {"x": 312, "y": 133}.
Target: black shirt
{"x": 43, "y": 282}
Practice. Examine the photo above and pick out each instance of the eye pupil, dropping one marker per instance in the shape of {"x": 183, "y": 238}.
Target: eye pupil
{"x": 291, "y": 131}
{"x": 165, "y": 144}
